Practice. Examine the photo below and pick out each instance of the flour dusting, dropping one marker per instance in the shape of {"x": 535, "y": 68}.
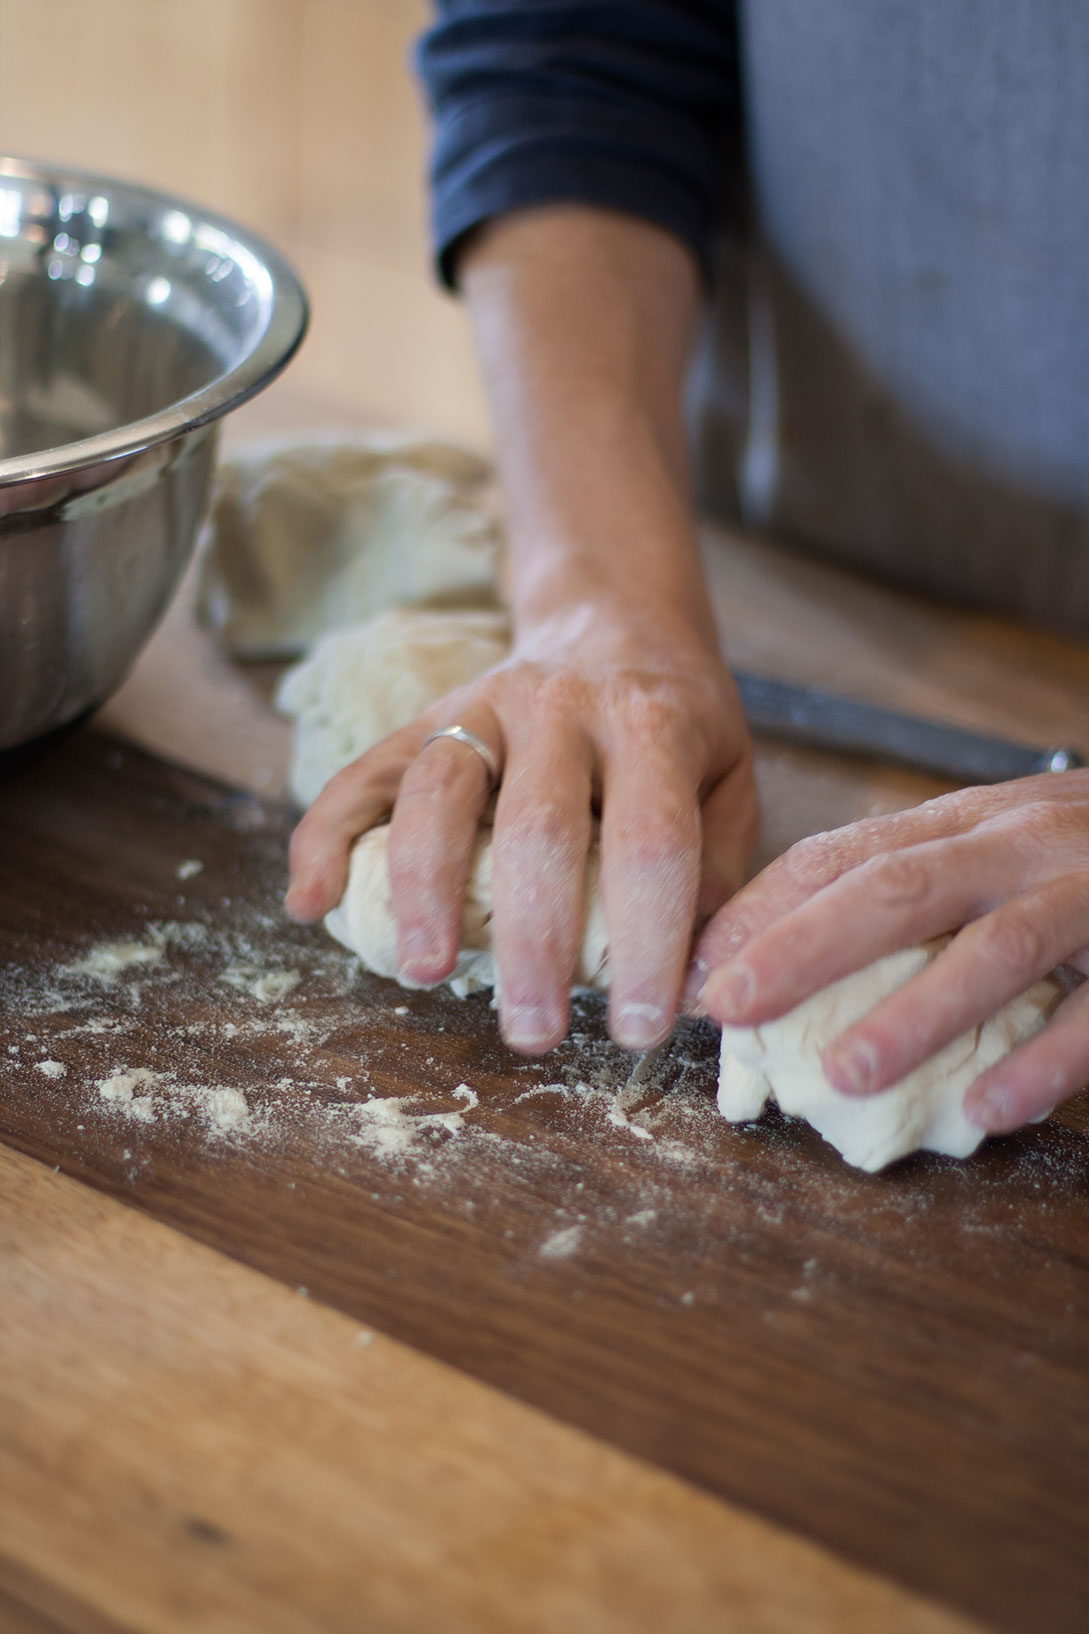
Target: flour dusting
{"x": 146, "y": 1095}
{"x": 238, "y": 1039}
{"x": 268, "y": 986}
{"x": 561, "y": 1244}
{"x": 109, "y": 960}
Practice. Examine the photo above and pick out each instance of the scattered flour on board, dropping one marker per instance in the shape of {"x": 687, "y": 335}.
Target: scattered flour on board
{"x": 143, "y": 1094}
{"x": 160, "y": 988}
{"x": 189, "y": 869}
{"x": 387, "y": 1127}
{"x": 109, "y": 960}
{"x": 132, "y": 1091}
{"x": 199, "y": 1025}
{"x": 562, "y": 1244}
{"x": 268, "y": 986}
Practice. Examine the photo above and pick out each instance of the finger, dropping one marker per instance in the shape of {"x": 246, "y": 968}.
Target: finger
{"x": 893, "y": 900}
{"x": 351, "y": 802}
{"x": 650, "y": 877}
{"x": 432, "y": 832}
{"x": 730, "y": 820}
{"x": 1035, "y": 1077}
{"x": 989, "y": 963}
{"x": 818, "y": 862}
{"x": 541, "y": 838}
{"x": 808, "y": 867}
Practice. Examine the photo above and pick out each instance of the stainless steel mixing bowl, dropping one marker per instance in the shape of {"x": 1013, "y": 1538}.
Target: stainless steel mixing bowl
{"x": 130, "y": 323}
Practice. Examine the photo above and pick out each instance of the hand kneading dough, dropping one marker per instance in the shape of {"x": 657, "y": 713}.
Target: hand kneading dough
{"x": 363, "y": 683}
{"x": 922, "y": 1112}
{"x": 364, "y": 920}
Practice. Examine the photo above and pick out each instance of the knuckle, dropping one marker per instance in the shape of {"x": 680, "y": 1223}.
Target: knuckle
{"x": 651, "y": 837}
{"x": 665, "y": 861}
{"x": 344, "y": 785}
{"x": 371, "y": 775}
{"x": 557, "y": 693}
{"x": 435, "y": 776}
{"x": 814, "y": 862}
{"x": 542, "y": 829}
{"x": 1042, "y": 823}
{"x": 720, "y": 941}
{"x": 1012, "y": 943}
{"x": 897, "y": 879}
{"x": 653, "y": 706}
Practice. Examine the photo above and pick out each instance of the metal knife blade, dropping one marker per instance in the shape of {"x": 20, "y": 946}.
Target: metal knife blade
{"x": 822, "y": 720}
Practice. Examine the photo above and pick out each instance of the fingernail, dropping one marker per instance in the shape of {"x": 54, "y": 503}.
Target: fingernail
{"x": 993, "y": 1110}
{"x": 639, "y": 1026}
{"x": 296, "y": 905}
{"x": 416, "y": 954}
{"x": 853, "y": 1069}
{"x": 693, "y": 987}
{"x": 734, "y": 989}
{"x": 528, "y": 1026}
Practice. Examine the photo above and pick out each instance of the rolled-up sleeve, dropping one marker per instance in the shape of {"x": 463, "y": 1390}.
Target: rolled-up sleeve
{"x": 630, "y": 105}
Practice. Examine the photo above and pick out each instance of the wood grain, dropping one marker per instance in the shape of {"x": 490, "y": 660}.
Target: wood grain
{"x": 891, "y": 1366}
{"x": 236, "y": 1461}
{"x": 32, "y": 1604}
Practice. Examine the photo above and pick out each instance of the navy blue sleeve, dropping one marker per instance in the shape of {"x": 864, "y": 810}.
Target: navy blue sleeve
{"x": 631, "y": 105}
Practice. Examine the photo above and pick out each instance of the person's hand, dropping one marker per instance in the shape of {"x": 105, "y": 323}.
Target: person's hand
{"x": 614, "y": 702}
{"x": 1009, "y": 864}
{"x": 629, "y": 714}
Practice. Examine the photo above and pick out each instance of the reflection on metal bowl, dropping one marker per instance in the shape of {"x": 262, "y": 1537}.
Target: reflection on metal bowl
{"x": 130, "y": 323}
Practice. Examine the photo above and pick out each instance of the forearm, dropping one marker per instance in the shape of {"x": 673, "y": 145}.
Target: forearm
{"x": 584, "y": 323}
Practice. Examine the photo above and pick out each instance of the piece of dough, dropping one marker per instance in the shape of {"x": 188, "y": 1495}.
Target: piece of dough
{"x": 922, "y": 1112}
{"x": 308, "y": 535}
{"x": 364, "y": 920}
{"x": 362, "y": 683}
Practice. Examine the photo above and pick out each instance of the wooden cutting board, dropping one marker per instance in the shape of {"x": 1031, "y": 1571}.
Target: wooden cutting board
{"x": 895, "y": 1366}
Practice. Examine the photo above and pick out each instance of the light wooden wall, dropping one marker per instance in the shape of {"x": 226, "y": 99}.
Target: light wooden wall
{"x": 299, "y": 118}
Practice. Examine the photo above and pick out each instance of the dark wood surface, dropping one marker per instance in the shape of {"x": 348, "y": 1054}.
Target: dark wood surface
{"x": 895, "y": 1366}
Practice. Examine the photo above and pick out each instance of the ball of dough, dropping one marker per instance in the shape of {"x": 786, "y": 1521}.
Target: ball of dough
{"x": 364, "y": 919}
{"x": 363, "y": 683}
{"x": 310, "y": 534}
{"x": 922, "y": 1112}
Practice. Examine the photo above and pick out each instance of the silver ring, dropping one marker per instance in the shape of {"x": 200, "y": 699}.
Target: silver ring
{"x": 461, "y": 734}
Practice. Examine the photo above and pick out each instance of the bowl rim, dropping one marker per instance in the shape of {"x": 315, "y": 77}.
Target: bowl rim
{"x": 289, "y": 316}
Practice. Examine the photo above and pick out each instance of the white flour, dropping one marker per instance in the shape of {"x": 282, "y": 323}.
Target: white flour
{"x": 265, "y": 985}
{"x": 140, "y": 1093}
{"x": 239, "y": 1034}
{"x": 100, "y": 1002}
{"x": 108, "y": 960}
{"x": 562, "y": 1244}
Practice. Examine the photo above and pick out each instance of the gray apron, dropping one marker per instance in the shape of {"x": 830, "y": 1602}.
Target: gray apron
{"x": 897, "y": 372}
